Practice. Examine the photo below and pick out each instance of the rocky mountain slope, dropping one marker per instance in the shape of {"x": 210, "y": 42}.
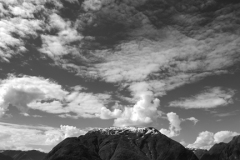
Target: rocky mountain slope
{"x": 24, "y": 155}
{"x": 224, "y": 151}
{"x": 198, "y": 152}
{"x": 121, "y": 144}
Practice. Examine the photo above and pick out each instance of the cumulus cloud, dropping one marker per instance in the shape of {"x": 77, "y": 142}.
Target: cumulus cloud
{"x": 175, "y": 124}
{"x": 210, "y": 98}
{"x": 174, "y": 128}
{"x": 107, "y": 114}
{"x": 206, "y": 139}
{"x": 18, "y": 137}
{"x": 71, "y": 131}
{"x": 222, "y": 135}
{"x": 143, "y": 113}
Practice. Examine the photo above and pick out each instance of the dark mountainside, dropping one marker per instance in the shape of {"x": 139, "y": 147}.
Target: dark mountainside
{"x": 24, "y": 155}
{"x": 198, "y": 152}
{"x": 4, "y": 157}
{"x": 224, "y": 151}
{"x": 121, "y": 144}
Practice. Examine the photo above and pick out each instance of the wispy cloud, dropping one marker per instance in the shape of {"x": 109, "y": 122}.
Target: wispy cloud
{"x": 210, "y": 98}
{"x": 122, "y": 44}
{"x": 226, "y": 114}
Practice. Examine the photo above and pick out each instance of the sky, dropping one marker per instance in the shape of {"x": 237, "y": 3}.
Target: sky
{"x": 69, "y": 66}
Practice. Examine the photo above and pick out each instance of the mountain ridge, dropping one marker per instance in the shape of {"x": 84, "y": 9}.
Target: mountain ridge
{"x": 24, "y": 155}
{"x": 128, "y": 143}
{"x": 224, "y": 151}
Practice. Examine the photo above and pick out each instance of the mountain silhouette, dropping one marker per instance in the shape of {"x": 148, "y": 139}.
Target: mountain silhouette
{"x": 198, "y": 152}
{"x": 129, "y": 143}
{"x": 24, "y": 155}
{"x": 224, "y": 151}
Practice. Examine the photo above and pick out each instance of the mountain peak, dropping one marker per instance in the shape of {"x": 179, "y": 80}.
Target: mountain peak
{"x": 125, "y": 130}
{"x": 117, "y": 143}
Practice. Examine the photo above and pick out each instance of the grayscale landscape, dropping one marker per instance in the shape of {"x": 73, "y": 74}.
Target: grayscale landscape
{"x": 119, "y": 79}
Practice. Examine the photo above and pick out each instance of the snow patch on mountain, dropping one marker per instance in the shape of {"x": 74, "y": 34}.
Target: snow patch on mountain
{"x": 125, "y": 130}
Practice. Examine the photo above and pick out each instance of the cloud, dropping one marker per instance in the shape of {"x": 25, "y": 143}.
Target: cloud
{"x": 226, "y": 114}
{"x": 210, "y": 98}
{"x": 107, "y": 114}
{"x": 126, "y": 42}
{"x": 71, "y": 131}
{"x": 143, "y": 113}
{"x": 193, "y": 119}
{"x": 174, "y": 128}
{"x": 92, "y": 5}
{"x": 175, "y": 122}
{"x": 222, "y": 135}
{"x": 206, "y": 139}
{"x": 164, "y": 53}
{"x": 21, "y": 91}
{"x": 42, "y": 94}
{"x": 17, "y": 24}
{"x": 131, "y": 43}
{"x": 18, "y": 137}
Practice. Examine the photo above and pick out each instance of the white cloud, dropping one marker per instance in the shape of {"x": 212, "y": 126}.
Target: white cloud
{"x": 182, "y": 142}
{"x": 17, "y": 19}
{"x": 22, "y": 91}
{"x": 14, "y": 136}
{"x": 206, "y": 139}
{"x": 71, "y": 131}
{"x": 107, "y": 114}
{"x": 176, "y": 60}
{"x": 150, "y": 55}
{"x": 144, "y": 112}
{"x": 210, "y": 98}
{"x": 175, "y": 124}
{"x": 193, "y": 119}
{"x": 222, "y": 135}
{"x": 56, "y": 22}
{"x": 86, "y": 104}
{"x": 24, "y": 10}
{"x": 174, "y": 128}
{"x": 42, "y": 94}
{"x": 52, "y": 46}
{"x": 92, "y": 5}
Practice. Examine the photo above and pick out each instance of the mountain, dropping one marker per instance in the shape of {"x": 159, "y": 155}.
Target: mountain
{"x": 114, "y": 143}
{"x": 224, "y": 151}
{"x": 24, "y": 155}
{"x": 4, "y": 157}
{"x": 198, "y": 152}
